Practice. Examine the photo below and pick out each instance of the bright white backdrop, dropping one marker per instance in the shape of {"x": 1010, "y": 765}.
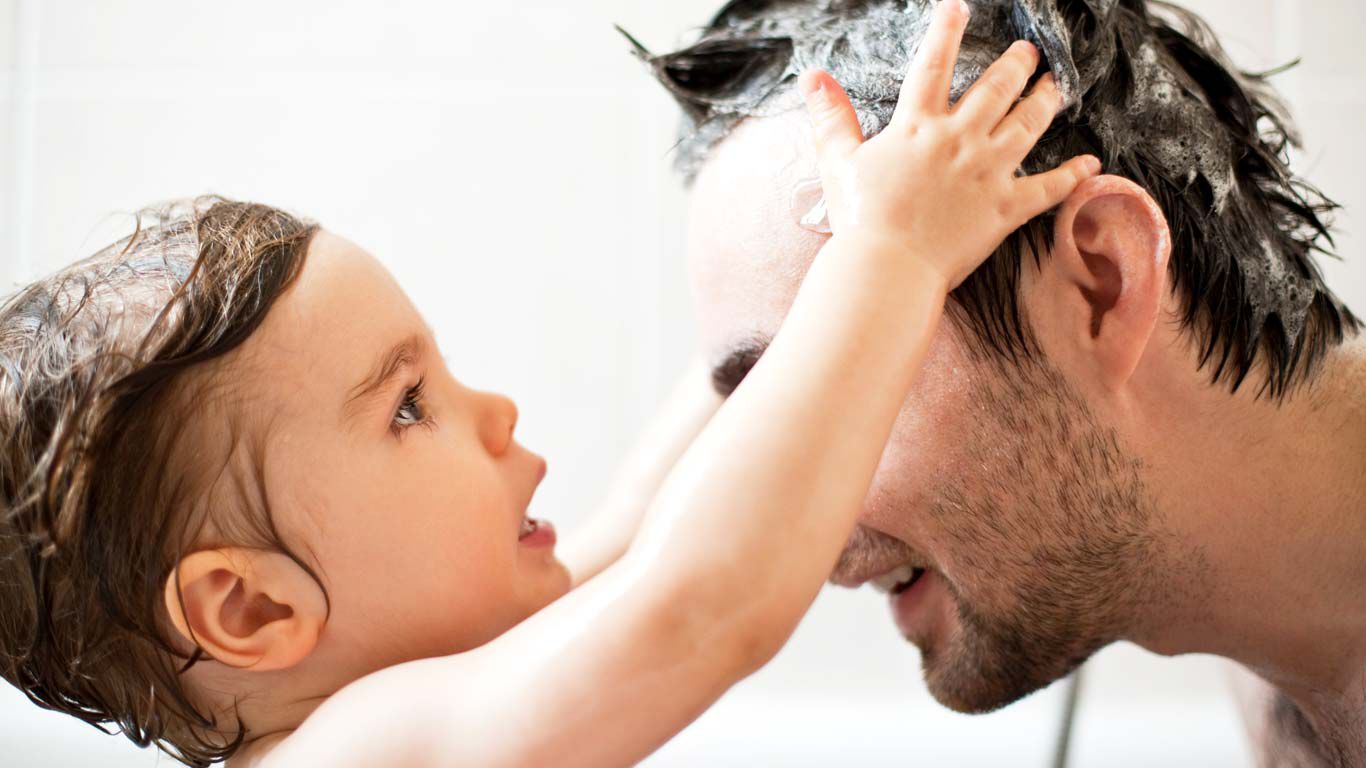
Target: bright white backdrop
{"x": 510, "y": 163}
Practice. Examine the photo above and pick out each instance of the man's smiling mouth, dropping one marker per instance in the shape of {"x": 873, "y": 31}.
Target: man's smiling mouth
{"x": 871, "y": 556}
{"x": 898, "y": 581}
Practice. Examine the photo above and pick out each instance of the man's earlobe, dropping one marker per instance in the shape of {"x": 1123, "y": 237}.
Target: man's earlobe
{"x": 1101, "y": 290}
{"x": 247, "y": 608}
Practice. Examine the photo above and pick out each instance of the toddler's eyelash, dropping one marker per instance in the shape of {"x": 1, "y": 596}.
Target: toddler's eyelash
{"x": 411, "y": 412}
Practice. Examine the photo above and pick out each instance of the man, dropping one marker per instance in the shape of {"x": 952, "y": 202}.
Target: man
{"x": 1146, "y": 418}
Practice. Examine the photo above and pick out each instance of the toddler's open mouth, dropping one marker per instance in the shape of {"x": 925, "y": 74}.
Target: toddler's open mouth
{"x": 536, "y": 533}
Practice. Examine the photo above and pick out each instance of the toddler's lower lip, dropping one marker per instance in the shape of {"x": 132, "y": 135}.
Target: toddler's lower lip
{"x": 537, "y": 533}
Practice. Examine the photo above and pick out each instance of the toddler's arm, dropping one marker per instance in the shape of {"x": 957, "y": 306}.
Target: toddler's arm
{"x": 747, "y": 526}
{"x": 610, "y": 531}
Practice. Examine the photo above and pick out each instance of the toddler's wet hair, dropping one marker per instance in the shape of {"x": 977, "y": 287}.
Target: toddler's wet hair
{"x": 102, "y": 368}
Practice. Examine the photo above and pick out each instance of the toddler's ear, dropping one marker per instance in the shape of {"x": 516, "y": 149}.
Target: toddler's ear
{"x": 247, "y": 608}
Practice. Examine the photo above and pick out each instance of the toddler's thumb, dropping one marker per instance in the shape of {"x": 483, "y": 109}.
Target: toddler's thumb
{"x": 832, "y": 116}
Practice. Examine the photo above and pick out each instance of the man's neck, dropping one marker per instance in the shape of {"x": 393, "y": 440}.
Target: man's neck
{"x": 1273, "y": 498}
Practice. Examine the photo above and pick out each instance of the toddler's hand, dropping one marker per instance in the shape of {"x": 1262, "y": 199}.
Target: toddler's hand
{"x": 942, "y": 181}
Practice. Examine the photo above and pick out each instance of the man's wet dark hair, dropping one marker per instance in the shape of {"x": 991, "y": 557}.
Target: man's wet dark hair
{"x": 1148, "y": 89}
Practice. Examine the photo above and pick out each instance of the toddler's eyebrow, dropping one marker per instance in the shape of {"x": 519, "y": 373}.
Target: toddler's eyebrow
{"x": 386, "y": 368}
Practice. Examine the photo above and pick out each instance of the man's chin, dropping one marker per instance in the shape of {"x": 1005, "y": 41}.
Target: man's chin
{"x": 974, "y": 675}
{"x": 967, "y": 694}
{"x": 966, "y": 664}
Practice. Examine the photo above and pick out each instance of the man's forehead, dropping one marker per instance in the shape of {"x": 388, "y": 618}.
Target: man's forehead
{"x": 747, "y": 254}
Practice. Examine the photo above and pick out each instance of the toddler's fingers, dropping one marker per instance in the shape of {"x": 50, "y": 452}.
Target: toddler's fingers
{"x": 1027, "y": 122}
{"x": 1039, "y": 194}
{"x": 927, "y": 83}
{"x": 989, "y": 99}
{"x": 833, "y": 118}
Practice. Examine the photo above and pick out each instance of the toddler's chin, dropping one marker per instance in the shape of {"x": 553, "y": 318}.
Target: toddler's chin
{"x": 558, "y": 582}
{"x": 549, "y": 582}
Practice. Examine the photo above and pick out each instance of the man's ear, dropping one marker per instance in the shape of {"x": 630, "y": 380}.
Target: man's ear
{"x": 1100, "y": 293}
{"x": 247, "y": 608}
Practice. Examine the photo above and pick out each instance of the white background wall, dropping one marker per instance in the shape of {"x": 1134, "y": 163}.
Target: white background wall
{"x": 510, "y": 162}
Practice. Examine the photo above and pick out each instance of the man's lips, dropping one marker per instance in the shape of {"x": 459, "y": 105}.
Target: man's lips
{"x": 894, "y": 568}
{"x": 884, "y": 574}
{"x": 907, "y": 602}
{"x": 899, "y": 580}
{"x": 870, "y": 555}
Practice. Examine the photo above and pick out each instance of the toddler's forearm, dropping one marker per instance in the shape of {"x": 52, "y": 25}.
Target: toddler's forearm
{"x": 750, "y": 522}
{"x": 609, "y": 533}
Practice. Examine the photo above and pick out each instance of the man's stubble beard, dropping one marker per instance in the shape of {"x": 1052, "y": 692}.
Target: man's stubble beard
{"x": 1052, "y": 547}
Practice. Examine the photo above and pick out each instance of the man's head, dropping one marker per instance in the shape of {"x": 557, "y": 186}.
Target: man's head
{"x": 1028, "y": 476}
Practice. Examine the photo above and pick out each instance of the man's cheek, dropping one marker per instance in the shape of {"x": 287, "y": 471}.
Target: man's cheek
{"x": 943, "y": 387}
{"x": 909, "y": 478}
{"x": 925, "y": 454}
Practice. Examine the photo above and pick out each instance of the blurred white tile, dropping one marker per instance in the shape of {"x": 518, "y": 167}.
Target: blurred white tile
{"x": 1126, "y": 672}
{"x": 1332, "y": 159}
{"x": 7, "y": 152}
{"x": 35, "y": 737}
{"x": 748, "y": 728}
{"x": 9, "y": 10}
{"x": 82, "y": 34}
{"x": 1138, "y": 709}
{"x": 1332, "y": 32}
{"x": 532, "y": 40}
{"x": 8, "y": 265}
{"x": 1244, "y": 27}
{"x": 9, "y": 48}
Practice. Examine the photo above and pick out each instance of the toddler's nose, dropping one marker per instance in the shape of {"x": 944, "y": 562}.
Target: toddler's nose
{"x": 498, "y": 419}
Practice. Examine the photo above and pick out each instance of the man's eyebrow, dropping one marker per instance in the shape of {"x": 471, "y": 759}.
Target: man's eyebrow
{"x": 727, "y": 374}
{"x": 382, "y": 373}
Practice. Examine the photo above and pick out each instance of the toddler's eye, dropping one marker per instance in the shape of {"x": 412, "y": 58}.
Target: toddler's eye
{"x": 411, "y": 411}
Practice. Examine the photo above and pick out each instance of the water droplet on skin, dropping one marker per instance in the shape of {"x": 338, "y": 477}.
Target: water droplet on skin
{"x": 809, "y": 207}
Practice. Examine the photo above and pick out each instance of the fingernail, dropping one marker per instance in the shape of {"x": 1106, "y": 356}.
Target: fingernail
{"x": 1093, "y": 164}
{"x": 961, "y": 6}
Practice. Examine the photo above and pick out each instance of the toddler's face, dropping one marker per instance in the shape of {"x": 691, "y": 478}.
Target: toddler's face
{"x": 404, "y": 489}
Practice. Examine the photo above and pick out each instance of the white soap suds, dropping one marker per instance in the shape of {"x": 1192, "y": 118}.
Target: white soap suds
{"x": 1178, "y": 127}
{"x": 1127, "y": 98}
